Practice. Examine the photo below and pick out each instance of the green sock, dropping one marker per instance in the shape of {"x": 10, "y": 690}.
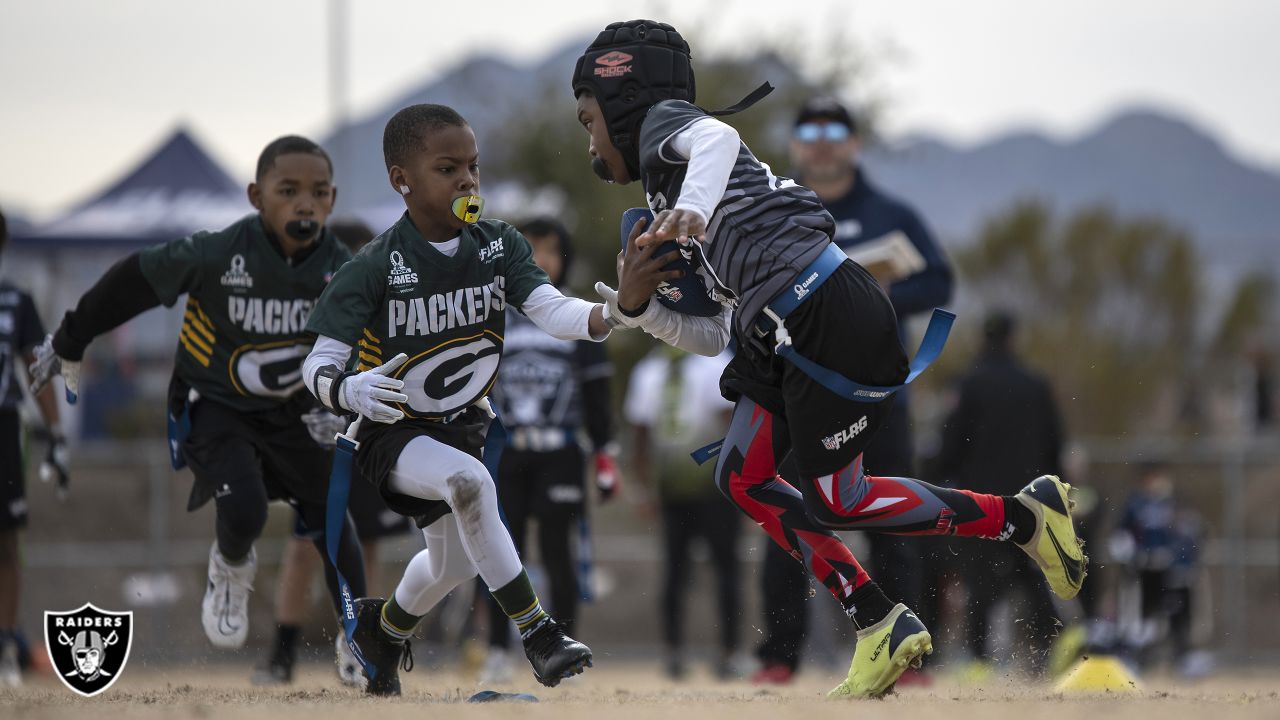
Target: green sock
{"x": 398, "y": 622}
{"x": 518, "y": 600}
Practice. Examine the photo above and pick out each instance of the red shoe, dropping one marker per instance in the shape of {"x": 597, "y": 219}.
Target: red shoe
{"x": 773, "y": 674}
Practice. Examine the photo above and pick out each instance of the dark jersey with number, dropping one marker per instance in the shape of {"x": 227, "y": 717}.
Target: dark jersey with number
{"x": 244, "y": 332}
{"x": 541, "y": 380}
{"x": 765, "y": 229}
{"x": 447, "y": 313}
{"x": 20, "y": 330}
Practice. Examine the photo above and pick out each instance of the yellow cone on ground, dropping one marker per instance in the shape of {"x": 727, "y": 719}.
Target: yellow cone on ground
{"x": 1099, "y": 673}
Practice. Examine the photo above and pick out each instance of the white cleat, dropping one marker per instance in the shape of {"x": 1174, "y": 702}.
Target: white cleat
{"x": 349, "y": 670}
{"x": 225, "y": 610}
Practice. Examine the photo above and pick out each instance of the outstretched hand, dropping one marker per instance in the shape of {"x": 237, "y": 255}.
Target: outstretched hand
{"x": 683, "y": 226}
{"x": 640, "y": 272}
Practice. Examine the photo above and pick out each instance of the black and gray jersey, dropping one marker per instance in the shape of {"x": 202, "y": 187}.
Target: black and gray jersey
{"x": 20, "y": 331}
{"x": 541, "y": 377}
{"x": 764, "y": 230}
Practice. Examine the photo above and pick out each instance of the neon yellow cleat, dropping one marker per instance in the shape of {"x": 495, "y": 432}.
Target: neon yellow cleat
{"x": 883, "y": 652}
{"x": 1055, "y": 546}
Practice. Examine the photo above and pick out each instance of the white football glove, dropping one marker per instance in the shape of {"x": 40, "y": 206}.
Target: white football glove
{"x": 613, "y": 317}
{"x": 48, "y": 364}
{"x": 324, "y": 426}
{"x": 369, "y": 392}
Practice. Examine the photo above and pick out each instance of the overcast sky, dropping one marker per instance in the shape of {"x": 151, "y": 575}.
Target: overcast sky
{"x": 89, "y": 86}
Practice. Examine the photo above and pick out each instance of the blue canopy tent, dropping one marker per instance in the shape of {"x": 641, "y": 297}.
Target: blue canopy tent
{"x": 176, "y": 190}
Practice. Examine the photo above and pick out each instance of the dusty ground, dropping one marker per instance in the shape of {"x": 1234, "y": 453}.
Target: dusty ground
{"x": 624, "y": 690}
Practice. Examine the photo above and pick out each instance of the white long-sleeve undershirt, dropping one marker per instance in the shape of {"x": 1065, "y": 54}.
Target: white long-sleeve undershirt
{"x": 711, "y": 149}
{"x": 699, "y": 335}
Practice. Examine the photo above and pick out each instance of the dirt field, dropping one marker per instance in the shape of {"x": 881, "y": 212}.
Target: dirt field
{"x": 622, "y": 691}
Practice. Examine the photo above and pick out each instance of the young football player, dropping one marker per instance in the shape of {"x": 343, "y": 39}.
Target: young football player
{"x": 20, "y": 332}
{"x": 239, "y": 416}
{"x": 421, "y": 312}
{"x": 553, "y": 397}
{"x": 817, "y": 338}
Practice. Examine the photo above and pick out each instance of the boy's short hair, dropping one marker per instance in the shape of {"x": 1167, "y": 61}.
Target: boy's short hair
{"x": 288, "y": 145}
{"x": 407, "y": 130}
{"x": 544, "y": 225}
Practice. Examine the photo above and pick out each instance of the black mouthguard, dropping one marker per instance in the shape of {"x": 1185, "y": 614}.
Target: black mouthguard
{"x": 302, "y": 229}
{"x": 601, "y": 170}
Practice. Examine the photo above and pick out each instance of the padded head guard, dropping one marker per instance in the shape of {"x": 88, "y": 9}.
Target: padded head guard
{"x": 631, "y": 66}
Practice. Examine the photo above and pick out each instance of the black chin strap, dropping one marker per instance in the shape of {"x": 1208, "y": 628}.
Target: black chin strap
{"x": 756, "y": 96}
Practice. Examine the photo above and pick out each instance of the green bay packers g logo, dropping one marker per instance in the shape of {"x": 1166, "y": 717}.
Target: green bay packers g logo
{"x": 268, "y": 370}
{"x": 451, "y": 375}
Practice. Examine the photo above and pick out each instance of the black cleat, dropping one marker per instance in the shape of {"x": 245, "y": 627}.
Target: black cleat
{"x": 554, "y": 655}
{"x": 383, "y": 655}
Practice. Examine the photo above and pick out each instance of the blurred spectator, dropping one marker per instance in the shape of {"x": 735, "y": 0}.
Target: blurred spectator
{"x": 674, "y": 403}
{"x": 548, "y": 392}
{"x": 1160, "y": 543}
{"x": 888, "y": 238}
{"x": 1003, "y": 430}
{"x": 21, "y": 332}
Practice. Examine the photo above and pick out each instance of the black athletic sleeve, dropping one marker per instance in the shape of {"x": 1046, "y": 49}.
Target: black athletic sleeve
{"x": 120, "y": 294}
{"x": 30, "y": 331}
{"x": 596, "y": 373}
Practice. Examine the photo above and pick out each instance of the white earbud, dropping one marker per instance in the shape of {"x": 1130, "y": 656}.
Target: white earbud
{"x": 404, "y": 189}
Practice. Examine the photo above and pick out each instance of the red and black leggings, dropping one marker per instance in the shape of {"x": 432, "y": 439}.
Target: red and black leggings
{"x": 801, "y": 520}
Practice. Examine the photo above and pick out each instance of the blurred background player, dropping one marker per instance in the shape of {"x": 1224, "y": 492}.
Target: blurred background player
{"x": 1004, "y": 428}
{"x": 549, "y": 392}
{"x": 239, "y": 416}
{"x": 374, "y": 521}
{"x": 20, "y": 333}
{"x": 673, "y": 403}
{"x": 871, "y": 227}
{"x": 1157, "y": 543}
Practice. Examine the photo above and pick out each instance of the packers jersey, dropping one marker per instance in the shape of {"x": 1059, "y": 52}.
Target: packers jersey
{"x": 243, "y": 334}
{"x": 402, "y": 295}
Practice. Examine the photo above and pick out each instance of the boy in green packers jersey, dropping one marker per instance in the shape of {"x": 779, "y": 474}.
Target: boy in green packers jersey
{"x": 418, "y": 315}
{"x": 238, "y": 413}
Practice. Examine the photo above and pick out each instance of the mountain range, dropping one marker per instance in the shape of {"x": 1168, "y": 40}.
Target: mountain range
{"x": 1140, "y": 161}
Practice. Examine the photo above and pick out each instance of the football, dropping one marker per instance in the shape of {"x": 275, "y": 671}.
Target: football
{"x": 692, "y": 294}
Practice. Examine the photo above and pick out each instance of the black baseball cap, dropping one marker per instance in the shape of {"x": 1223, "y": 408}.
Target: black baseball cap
{"x": 825, "y": 107}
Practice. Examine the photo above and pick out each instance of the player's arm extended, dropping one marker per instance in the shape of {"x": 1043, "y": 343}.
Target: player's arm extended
{"x": 566, "y": 318}
{"x": 699, "y": 335}
{"x": 122, "y": 293}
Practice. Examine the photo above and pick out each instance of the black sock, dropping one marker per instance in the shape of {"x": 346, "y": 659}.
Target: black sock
{"x": 286, "y": 644}
{"x": 867, "y": 605}
{"x": 1019, "y": 521}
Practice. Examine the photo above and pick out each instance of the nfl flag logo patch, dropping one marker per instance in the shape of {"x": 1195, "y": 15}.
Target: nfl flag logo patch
{"x": 88, "y": 647}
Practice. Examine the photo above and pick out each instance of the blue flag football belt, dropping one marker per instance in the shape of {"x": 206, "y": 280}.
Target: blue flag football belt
{"x": 344, "y": 455}
{"x": 809, "y": 280}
